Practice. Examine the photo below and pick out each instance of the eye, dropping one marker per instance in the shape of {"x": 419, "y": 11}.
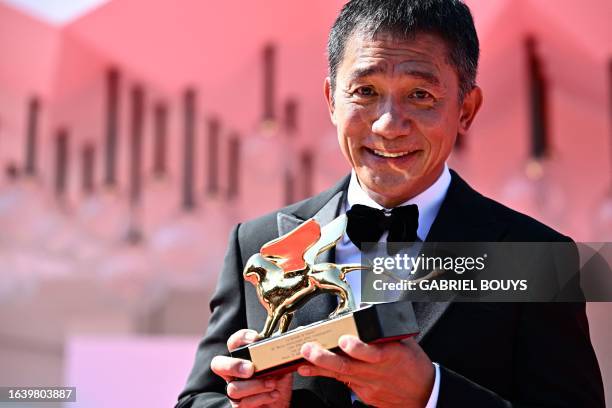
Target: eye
{"x": 365, "y": 91}
{"x": 420, "y": 94}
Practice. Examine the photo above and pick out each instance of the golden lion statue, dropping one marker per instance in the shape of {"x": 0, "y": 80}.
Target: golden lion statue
{"x": 285, "y": 275}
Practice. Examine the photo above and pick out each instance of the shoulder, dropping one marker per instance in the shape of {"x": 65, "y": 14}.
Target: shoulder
{"x": 512, "y": 225}
{"x": 521, "y": 227}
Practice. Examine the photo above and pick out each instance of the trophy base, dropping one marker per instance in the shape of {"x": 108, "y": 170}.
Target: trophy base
{"x": 375, "y": 323}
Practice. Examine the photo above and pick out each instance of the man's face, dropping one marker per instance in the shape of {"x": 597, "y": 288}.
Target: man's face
{"x": 397, "y": 112}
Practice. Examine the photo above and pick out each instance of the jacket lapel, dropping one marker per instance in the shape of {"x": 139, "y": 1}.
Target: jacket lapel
{"x": 464, "y": 216}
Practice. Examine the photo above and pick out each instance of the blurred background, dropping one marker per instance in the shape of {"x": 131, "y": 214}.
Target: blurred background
{"x": 134, "y": 134}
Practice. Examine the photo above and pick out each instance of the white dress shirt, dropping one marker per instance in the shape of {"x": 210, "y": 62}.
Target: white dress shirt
{"x": 429, "y": 202}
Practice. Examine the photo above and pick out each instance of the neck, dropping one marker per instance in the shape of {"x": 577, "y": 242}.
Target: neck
{"x": 388, "y": 201}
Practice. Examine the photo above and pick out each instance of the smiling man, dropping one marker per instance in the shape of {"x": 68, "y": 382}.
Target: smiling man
{"x": 398, "y": 106}
{"x": 401, "y": 87}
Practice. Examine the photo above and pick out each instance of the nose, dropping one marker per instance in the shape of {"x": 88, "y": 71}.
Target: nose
{"x": 392, "y": 122}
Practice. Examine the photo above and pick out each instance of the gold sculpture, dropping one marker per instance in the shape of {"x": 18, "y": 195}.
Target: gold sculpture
{"x": 285, "y": 275}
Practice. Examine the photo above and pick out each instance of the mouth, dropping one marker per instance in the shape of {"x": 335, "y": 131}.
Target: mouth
{"x": 396, "y": 159}
{"x": 392, "y": 155}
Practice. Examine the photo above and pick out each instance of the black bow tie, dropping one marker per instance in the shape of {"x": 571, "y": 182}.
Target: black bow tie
{"x": 367, "y": 224}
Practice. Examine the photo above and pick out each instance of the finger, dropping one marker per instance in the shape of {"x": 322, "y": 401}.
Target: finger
{"x": 359, "y": 350}
{"x": 257, "y": 400}
{"x": 313, "y": 371}
{"x": 241, "y": 338}
{"x": 246, "y": 388}
{"x": 284, "y": 381}
{"x": 229, "y": 368}
{"x": 323, "y": 358}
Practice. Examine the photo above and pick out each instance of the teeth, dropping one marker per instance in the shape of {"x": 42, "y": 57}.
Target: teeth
{"x": 387, "y": 154}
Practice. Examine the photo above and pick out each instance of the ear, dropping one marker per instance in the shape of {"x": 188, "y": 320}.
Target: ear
{"x": 253, "y": 275}
{"x": 469, "y": 108}
{"x": 329, "y": 98}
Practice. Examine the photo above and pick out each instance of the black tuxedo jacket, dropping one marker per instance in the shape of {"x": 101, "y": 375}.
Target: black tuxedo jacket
{"x": 490, "y": 354}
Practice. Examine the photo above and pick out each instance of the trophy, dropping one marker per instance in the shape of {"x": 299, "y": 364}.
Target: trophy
{"x": 286, "y": 275}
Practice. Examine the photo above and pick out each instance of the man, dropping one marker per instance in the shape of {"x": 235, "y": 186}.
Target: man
{"x": 401, "y": 87}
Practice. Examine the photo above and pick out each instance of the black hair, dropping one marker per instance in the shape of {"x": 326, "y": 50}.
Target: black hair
{"x": 451, "y": 20}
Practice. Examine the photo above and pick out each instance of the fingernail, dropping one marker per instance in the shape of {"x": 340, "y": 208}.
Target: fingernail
{"x": 245, "y": 368}
{"x": 270, "y": 384}
{"x": 306, "y": 349}
{"x": 275, "y": 394}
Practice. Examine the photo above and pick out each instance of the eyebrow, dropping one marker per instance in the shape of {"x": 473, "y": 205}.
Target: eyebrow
{"x": 365, "y": 72}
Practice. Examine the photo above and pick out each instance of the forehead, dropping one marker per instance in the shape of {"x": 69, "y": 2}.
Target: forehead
{"x": 388, "y": 53}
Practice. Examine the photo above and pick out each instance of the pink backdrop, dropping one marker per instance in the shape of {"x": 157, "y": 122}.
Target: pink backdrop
{"x": 78, "y": 297}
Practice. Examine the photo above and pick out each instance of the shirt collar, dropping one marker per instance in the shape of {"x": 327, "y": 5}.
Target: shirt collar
{"x": 429, "y": 201}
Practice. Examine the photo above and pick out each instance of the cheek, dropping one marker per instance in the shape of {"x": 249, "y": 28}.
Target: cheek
{"x": 438, "y": 129}
{"x": 352, "y": 125}
{"x": 352, "y": 114}
{"x": 345, "y": 135}
{"x": 428, "y": 120}
{"x": 343, "y": 142}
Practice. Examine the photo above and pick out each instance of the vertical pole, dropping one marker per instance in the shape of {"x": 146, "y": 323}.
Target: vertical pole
{"x": 290, "y": 126}
{"x": 61, "y": 163}
{"x": 160, "y": 129}
{"x": 538, "y": 102}
{"x": 136, "y": 130}
{"x": 307, "y": 171}
{"x": 188, "y": 197}
{"x": 88, "y": 168}
{"x": 212, "y": 184}
{"x": 32, "y": 136}
{"x": 269, "y": 86}
{"x": 112, "y": 126}
{"x": 234, "y": 152}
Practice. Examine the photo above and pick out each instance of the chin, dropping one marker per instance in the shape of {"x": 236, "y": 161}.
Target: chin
{"x": 391, "y": 186}
{"x": 385, "y": 181}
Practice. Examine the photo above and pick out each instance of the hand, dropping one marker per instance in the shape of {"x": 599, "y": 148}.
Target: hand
{"x": 244, "y": 393}
{"x": 394, "y": 374}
